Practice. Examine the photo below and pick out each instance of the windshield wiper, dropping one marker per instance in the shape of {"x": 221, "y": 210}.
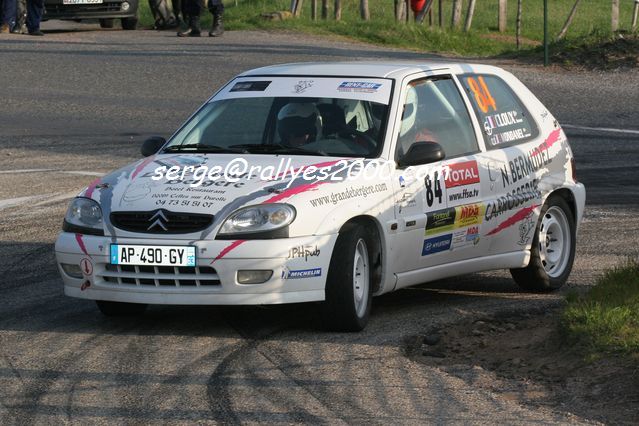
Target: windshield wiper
{"x": 258, "y": 148}
{"x": 202, "y": 147}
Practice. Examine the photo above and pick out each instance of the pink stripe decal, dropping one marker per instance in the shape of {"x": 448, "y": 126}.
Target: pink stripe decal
{"x": 550, "y": 141}
{"x": 78, "y": 238}
{"x": 227, "y": 249}
{"x": 141, "y": 166}
{"x": 91, "y": 188}
{"x": 517, "y": 217}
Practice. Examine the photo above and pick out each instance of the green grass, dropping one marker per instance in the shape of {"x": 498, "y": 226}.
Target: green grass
{"x": 606, "y": 318}
{"x": 593, "y": 17}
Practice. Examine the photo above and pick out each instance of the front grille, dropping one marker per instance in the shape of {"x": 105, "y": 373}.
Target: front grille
{"x": 171, "y": 276}
{"x": 75, "y": 9}
{"x": 169, "y": 222}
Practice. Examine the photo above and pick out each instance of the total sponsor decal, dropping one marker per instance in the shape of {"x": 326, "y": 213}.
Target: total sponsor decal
{"x": 462, "y": 182}
{"x": 288, "y": 274}
{"x": 437, "y": 244}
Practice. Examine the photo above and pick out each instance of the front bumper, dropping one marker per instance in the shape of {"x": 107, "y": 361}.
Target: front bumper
{"x": 212, "y": 282}
{"x": 54, "y": 9}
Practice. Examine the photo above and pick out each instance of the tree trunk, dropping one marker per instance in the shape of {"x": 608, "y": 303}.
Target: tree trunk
{"x": 401, "y": 11}
{"x": 324, "y": 9}
{"x": 298, "y": 8}
{"x": 635, "y": 13}
{"x": 430, "y": 17}
{"x": 338, "y": 10}
{"x": 469, "y": 15}
{"x": 407, "y": 7}
{"x": 564, "y": 29}
{"x": 518, "y": 24}
{"x": 502, "y": 20}
{"x": 615, "y": 15}
{"x": 314, "y": 10}
{"x": 457, "y": 12}
{"x": 363, "y": 10}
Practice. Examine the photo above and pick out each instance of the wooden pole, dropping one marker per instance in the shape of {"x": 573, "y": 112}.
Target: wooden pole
{"x": 338, "y": 10}
{"x": 564, "y": 29}
{"x": 615, "y": 16}
{"x": 635, "y": 13}
{"x": 502, "y": 19}
{"x": 324, "y": 9}
{"x": 298, "y": 8}
{"x": 469, "y": 15}
{"x": 518, "y": 24}
{"x": 457, "y": 12}
{"x": 364, "y": 13}
{"x": 441, "y": 15}
{"x": 314, "y": 10}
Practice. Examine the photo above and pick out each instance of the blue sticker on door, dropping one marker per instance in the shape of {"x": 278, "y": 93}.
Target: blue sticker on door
{"x": 437, "y": 244}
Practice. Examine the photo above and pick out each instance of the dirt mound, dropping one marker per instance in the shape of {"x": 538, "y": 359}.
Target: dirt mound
{"x": 620, "y": 51}
{"x": 524, "y": 358}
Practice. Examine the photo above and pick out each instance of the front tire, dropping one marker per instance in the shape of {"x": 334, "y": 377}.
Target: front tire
{"x": 129, "y": 24}
{"x": 107, "y": 23}
{"x": 348, "y": 285}
{"x": 552, "y": 251}
{"x": 118, "y": 309}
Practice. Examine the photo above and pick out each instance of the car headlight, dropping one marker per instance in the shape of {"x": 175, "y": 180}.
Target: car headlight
{"x": 261, "y": 221}
{"x": 84, "y": 216}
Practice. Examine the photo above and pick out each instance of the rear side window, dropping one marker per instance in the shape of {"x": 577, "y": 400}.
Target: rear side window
{"x": 504, "y": 119}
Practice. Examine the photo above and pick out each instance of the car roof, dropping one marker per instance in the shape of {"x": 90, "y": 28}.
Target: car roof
{"x": 373, "y": 69}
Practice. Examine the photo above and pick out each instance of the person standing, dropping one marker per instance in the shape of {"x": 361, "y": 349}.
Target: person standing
{"x": 8, "y": 16}
{"x": 21, "y": 18}
{"x": 216, "y": 7}
{"x": 35, "y": 8}
{"x": 193, "y": 9}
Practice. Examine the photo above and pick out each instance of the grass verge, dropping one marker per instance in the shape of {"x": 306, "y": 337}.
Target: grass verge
{"x": 606, "y": 318}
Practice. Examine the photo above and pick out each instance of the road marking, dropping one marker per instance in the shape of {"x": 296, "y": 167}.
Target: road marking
{"x": 11, "y": 202}
{"x": 602, "y": 129}
{"x": 69, "y": 172}
{"x": 6, "y": 172}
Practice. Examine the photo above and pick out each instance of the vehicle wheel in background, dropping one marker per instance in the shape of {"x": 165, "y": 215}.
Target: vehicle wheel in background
{"x": 116, "y": 309}
{"x": 553, "y": 249}
{"x": 348, "y": 284}
{"x": 107, "y": 23}
{"x": 129, "y": 23}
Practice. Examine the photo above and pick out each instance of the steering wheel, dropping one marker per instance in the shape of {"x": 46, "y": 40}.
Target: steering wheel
{"x": 356, "y": 135}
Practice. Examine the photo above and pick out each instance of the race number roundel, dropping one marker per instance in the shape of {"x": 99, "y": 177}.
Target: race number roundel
{"x": 86, "y": 266}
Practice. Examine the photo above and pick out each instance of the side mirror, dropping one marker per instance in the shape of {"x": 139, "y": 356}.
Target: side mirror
{"x": 152, "y": 145}
{"x": 422, "y": 153}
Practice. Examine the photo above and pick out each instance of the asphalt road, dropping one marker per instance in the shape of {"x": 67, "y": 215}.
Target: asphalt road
{"x": 78, "y": 104}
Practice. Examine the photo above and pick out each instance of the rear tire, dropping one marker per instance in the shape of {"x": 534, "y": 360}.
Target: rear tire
{"x": 348, "y": 284}
{"x": 118, "y": 309}
{"x": 107, "y": 23}
{"x": 129, "y": 24}
{"x": 552, "y": 251}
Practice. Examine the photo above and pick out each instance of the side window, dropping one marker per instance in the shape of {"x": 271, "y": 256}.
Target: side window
{"x": 434, "y": 111}
{"x": 501, "y": 114}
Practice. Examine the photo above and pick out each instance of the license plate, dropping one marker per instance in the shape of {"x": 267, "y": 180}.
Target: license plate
{"x": 122, "y": 254}
{"x": 82, "y": 1}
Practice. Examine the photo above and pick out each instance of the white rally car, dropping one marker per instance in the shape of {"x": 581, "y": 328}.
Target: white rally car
{"x": 333, "y": 183}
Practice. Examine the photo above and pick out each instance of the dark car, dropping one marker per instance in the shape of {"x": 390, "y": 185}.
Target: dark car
{"x": 106, "y": 11}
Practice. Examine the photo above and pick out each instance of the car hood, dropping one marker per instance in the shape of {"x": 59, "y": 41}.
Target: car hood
{"x": 138, "y": 188}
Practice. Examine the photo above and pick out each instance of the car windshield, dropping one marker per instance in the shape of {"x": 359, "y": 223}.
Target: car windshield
{"x": 296, "y": 125}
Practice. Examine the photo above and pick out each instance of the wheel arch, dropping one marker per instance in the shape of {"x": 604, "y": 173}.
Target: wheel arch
{"x": 373, "y": 228}
{"x": 569, "y": 197}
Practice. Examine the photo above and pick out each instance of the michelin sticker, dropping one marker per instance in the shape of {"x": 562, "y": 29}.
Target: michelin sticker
{"x": 288, "y": 274}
